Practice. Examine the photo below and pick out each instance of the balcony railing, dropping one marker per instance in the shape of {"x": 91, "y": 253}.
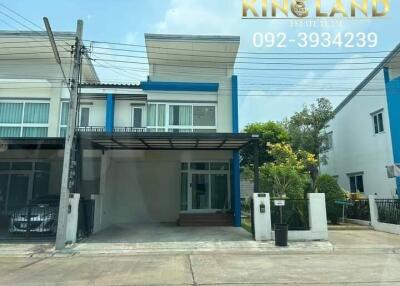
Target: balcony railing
{"x": 115, "y": 129}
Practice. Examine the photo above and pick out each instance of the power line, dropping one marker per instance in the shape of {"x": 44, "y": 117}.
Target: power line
{"x": 229, "y": 52}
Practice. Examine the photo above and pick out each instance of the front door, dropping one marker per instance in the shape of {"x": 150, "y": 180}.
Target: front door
{"x": 137, "y": 117}
{"x": 200, "y": 191}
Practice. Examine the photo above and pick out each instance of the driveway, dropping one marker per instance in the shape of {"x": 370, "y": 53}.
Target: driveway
{"x": 359, "y": 258}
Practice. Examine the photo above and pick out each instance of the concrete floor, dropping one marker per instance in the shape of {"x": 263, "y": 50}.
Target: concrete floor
{"x": 359, "y": 258}
{"x": 164, "y": 232}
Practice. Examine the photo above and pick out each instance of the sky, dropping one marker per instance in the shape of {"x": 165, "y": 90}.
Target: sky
{"x": 276, "y": 83}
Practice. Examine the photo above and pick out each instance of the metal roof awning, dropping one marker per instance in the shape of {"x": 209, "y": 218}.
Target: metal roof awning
{"x": 32, "y": 143}
{"x": 164, "y": 141}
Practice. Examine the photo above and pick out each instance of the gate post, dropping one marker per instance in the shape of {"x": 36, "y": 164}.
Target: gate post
{"x": 262, "y": 217}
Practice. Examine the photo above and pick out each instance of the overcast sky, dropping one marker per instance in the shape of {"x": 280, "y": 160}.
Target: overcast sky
{"x": 264, "y": 94}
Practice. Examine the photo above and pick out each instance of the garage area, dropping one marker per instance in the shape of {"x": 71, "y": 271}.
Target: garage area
{"x": 30, "y": 179}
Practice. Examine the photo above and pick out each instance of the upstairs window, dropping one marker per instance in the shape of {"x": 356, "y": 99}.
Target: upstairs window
{"x": 181, "y": 118}
{"x": 24, "y": 119}
{"x": 356, "y": 183}
{"x": 64, "y": 118}
{"x": 378, "y": 122}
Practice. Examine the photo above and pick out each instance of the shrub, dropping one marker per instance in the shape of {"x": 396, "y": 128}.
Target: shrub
{"x": 328, "y": 185}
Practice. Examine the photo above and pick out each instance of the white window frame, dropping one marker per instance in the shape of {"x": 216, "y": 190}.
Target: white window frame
{"x": 62, "y": 125}
{"x": 376, "y": 114}
{"x": 23, "y": 125}
{"x": 144, "y": 115}
{"x": 355, "y": 175}
{"x": 192, "y": 127}
{"x": 209, "y": 172}
{"x": 89, "y": 106}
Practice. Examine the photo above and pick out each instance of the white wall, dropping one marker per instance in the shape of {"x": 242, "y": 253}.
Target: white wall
{"x": 144, "y": 186}
{"x": 355, "y": 146}
{"x": 97, "y": 114}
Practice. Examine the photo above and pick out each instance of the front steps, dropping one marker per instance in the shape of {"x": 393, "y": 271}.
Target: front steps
{"x": 205, "y": 219}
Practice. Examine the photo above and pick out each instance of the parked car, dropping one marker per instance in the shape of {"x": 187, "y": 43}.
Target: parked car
{"x": 39, "y": 216}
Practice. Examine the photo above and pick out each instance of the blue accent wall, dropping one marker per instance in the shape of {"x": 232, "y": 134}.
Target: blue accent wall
{"x": 179, "y": 86}
{"x": 236, "y": 159}
{"x": 393, "y": 102}
{"x": 110, "y": 113}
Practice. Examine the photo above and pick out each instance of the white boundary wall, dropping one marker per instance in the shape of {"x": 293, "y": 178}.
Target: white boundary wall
{"x": 317, "y": 216}
{"x": 380, "y": 226}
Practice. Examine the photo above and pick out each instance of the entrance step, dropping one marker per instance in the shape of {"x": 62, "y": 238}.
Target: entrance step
{"x": 211, "y": 219}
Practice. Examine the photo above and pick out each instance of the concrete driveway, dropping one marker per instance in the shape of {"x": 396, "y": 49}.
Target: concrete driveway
{"x": 359, "y": 258}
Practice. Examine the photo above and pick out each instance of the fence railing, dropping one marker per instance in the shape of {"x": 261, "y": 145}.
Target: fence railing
{"x": 359, "y": 210}
{"x": 115, "y": 129}
{"x": 294, "y": 213}
{"x": 388, "y": 210}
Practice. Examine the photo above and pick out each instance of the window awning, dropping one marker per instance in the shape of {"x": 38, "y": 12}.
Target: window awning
{"x": 164, "y": 141}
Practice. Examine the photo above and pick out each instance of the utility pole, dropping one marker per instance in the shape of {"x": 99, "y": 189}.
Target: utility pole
{"x": 67, "y": 176}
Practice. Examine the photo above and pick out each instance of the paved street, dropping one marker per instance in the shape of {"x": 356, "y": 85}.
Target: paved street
{"x": 359, "y": 258}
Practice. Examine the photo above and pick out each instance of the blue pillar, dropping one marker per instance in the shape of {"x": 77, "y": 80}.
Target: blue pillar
{"x": 109, "y": 113}
{"x": 393, "y": 102}
{"x": 235, "y": 160}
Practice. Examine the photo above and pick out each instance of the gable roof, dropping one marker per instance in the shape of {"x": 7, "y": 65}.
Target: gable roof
{"x": 359, "y": 87}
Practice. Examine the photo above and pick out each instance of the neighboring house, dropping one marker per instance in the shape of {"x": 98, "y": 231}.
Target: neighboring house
{"x": 364, "y": 135}
{"x": 163, "y": 150}
{"x": 32, "y": 93}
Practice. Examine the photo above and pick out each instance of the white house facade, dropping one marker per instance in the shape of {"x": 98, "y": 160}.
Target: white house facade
{"x": 363, "y": 137}
{"x": 163, "y": 150}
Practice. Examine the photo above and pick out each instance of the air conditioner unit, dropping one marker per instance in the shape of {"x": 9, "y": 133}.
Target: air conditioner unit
{"x": 393, "y": 171}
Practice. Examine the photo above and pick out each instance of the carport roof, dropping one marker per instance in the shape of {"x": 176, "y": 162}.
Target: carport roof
{"x": 164, "y": 141}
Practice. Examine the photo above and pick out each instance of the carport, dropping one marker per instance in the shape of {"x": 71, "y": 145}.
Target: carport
{"x": 30, "y": 171}
{"x": 160, "y": 181}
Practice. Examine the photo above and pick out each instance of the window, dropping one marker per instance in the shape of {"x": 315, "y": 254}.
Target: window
{"x": 84, "y": 117}
{"x": 181, "y": 117}
{"x": 356, "y": 183}
{"x": 204, "y": 115}
{"x": 327, "y": 143}
{"x": 378, "y": 122}
{"x": 64, "y": 118}
{"x": 156, "y": 117}
{"x": 24, "y": 119}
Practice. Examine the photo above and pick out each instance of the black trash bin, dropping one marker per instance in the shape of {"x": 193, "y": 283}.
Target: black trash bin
{"x": 281, "y": 234}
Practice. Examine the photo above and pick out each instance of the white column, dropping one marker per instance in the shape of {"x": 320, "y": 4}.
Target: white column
{"x": 99, "y": 214}
{"x": 262, "y": 217}
{"x": 72, "y": 218}
{"x": 373, "y": 210}
{"x": 317, "y": 215}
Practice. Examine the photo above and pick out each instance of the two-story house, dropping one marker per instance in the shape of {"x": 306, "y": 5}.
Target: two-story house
{"x": 163, "y": 150}
{"x": 32, "y": 94}
{"x": 364, "y": 135}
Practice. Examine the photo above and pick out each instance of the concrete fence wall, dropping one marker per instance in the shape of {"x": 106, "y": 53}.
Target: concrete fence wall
{"x": 380, "y": 226}
{"x": 317, "y": 219}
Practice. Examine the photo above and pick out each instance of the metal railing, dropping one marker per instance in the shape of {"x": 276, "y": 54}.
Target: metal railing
{"x": 115, "y": 129}
{"x": 294, "y": 213}
{"x": 358, "y": 210}
{"x": 388, "y": 210}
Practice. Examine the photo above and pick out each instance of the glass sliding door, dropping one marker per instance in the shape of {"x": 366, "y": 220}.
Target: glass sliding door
{"x": 205, "y": 186}
{"x": 219, "y": 191}
{"x": 200, "y": 191}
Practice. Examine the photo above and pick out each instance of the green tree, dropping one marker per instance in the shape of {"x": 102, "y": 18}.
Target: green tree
{"x": 270, "y": 133}
{"x": 328, "y": 185}
{"x": 288, "y": 173}
{"x": 305, "y": 129}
